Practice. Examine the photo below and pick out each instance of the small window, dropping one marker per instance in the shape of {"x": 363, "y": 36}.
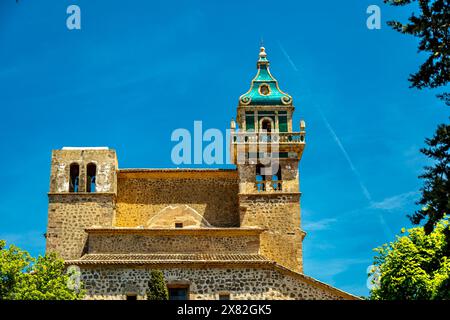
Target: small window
{"x": 74, "y": 177}
{"x": 282, "y": 123}
{"x": 178, "y": 293}
{"x": 250, "y": 122}
{"x": 277, "y": 182}
{"x": 260, "y": 178}
{"x": 91, "y": 172}
{"x": 131, "y": 297}
{"x": 224, "y": 296}
{"x": 264, "y": 89}
{"x": 266, "y": 125}
{"x": 266, "y": 113}
{"x": 178, "y": 224}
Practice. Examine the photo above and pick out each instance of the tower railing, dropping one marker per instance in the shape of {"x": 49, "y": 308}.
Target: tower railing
{"x": 269, "y": 185}
{"x": 268, "y": 137}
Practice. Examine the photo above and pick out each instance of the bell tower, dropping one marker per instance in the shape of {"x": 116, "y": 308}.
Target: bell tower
{"x": 267, "y": 152}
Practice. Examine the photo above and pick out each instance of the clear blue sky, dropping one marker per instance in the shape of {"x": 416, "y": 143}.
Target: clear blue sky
{"x": 137, "y": 70}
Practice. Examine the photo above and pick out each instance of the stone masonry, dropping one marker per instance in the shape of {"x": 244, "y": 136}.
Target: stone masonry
{"x": 206, "y": 284}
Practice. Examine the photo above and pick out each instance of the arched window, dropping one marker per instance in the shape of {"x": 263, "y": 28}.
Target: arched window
{"x": 91, "y": 173}
{"x": 74, "y": 177}
{"x": 266, "y": 125}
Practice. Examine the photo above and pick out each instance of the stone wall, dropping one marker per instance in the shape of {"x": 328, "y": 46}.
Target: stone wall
{"x": 212, "y": 195}
{"x": 68, "y": 216}
{"x": 126, "y": 243}
{"x": 204, "y": 283}
{"x": 289, "y": 176}
{"x": 280, "y": 214}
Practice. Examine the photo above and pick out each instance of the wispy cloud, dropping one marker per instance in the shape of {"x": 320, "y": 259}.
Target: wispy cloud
{"x": 395, "y": 202}
{"x": 415, "y": 160}
{"x": 321, "y": 246}
{"x": 323, "y": 224}
{"x": 328, "y": 270}
{"x": 332, "y": 267}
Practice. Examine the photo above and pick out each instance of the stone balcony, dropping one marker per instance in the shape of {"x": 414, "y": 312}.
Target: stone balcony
{"x": 261, "y": 144}
{"x": 269, "y": 186}
{"x": 268, "y": 137}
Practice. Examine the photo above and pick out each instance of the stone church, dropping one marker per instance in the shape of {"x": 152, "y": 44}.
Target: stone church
{"x": 214, "y": 233}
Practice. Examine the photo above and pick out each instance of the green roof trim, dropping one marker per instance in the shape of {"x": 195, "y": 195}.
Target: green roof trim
{"x": 264, "y": 89}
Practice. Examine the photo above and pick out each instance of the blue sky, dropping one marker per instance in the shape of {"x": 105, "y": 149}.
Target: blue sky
{"x": 137, "y": 70}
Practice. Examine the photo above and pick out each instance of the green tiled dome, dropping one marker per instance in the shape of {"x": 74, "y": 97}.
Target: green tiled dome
{"x": 264, "y": 89}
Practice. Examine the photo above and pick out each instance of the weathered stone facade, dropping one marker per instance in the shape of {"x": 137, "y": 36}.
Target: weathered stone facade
{"x": 235, "y": 232}
{"x": 160, "y": 241}
{"x": 68, "y": 217}
{"x": 279, "y": 214}
{"x": 206, "y": 284}
{"x": 141, "y": 195}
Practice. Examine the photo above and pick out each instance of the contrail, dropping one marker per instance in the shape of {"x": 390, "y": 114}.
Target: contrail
{"x": 288, "y": 57}
{"x": 363, "y": 187}
{"x": 347, "y": 157}
{"x": 386, "y": 229}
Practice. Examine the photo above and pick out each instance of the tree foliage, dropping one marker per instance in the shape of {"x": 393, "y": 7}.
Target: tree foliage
{"x": 432, "y": 27}
{"x": 414, "y": 267}
{"x": 25, "y": 278}
{"x": 435, "y": 199}
{"x": 445, "y": 97}
{"x": 157, "y": 289}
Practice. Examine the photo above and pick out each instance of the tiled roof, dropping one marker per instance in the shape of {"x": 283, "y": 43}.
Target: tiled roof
{"x": 94, "y": 259}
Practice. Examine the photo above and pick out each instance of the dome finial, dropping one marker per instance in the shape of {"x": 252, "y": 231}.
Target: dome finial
{"x": 262, "y": 52}
{"x": 262, "y": 61}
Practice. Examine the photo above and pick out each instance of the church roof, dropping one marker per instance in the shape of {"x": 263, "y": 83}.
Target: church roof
{"x": 168, "y": 259}
{"x": 264, "y": 89}
{"x": 185, "y": 260}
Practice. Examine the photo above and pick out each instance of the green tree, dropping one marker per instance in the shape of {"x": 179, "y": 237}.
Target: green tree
{"x": 157, "y": 289}
{"x": 435, "y": 198}
{"x": 431, "y": 26}
{"x": 25, "y": 278}
{"x": 13, "y": 262}
{"x": 414, "y": 267}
